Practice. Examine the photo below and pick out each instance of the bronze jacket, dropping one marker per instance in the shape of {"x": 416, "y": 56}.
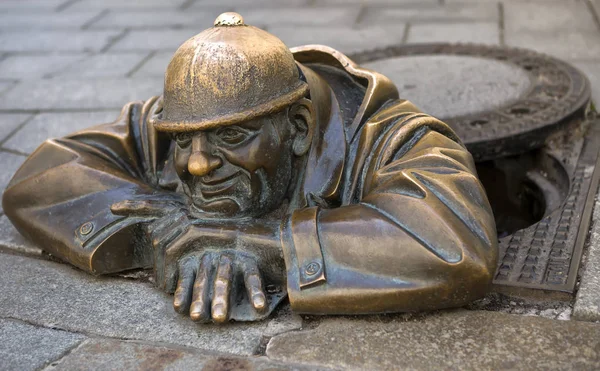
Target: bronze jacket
{"x": 393, "y": 218}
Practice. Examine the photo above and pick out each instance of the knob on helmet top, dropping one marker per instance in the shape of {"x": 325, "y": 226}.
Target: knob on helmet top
{"x": 227, "y": 74}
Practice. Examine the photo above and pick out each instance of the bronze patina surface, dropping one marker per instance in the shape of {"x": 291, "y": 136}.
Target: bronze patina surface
{"x": 263, "y": 172}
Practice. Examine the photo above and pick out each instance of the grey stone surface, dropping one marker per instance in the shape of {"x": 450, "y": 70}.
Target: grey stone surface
{"x": 167, "y": 40}
{"x": 592, "y": 71}
{"x": 450, "y": 340}
{"x": 330, "y": 17}
{"x": 239, "y": 5}
{"x": 155, "y": 66}
{"x": 99, "y": 354}
{"x": 565, "y": 43}
{"x": 552, "y": 16}
{"x": 5, "y": 86}
{"x": 12, "y": 240}
{"x": 52, "y": 294}
{"x": 587, "y": 303}
{"x": 480, "y": 11}
{"x": 474, "y": 32}
{"x": 110, "y": 93}
{"x": 9, "y": 163}
{"x": 55, "y": 125}
{"x": 103, "y": 65}
{"x": 449, "y": 86}
{"x": 55, "y": 41}
{"x": 285, "y": 321}
{"x": 25, "y": 347}
{"x": 31, "y": 5}
{"x": 27, "y": 67}
{"x": 129, "y": 4}
{"x": 159, "y": 18}
{"x": 10, "y": 121}
{"x": 344, "y": 39}
{"x": 46, "y": 20}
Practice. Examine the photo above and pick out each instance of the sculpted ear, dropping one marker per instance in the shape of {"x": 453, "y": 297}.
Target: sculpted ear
{"x": 301, "y": 116}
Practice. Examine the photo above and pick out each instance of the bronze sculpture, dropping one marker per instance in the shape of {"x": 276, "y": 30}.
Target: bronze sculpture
{"x": 263, "y": 172}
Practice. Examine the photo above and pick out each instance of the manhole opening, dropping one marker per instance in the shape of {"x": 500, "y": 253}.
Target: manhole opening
{"x": 522, "y": 189}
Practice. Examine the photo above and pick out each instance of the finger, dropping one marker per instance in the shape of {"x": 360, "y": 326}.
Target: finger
{"x": 200, "y": 308}
{"x": 222, "y": 287}
{"x": 140, "y": 208}
{"x": 254, "y": 286}
{"x": 183, "y": 293}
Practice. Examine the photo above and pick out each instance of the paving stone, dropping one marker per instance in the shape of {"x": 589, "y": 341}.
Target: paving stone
{"x": 9, "y": 163}
{"x": 237, "y": 5}
{"x": 45, "y": 20}
{"x": 5, "y": 85}
{"x": 371, "y": 3}
{"x": 129, "y": 4}
{"x": 587, "y": 302}
{"x": 155, "y": 66}
{"x": 168, "y": 40}
{"x": 55, "y": 125}
{"x": 339, "y": 16}
{"x": 285, "y": 321}
{"x": 160, "y": 18}
{"x": 450, "y": 340}
{"x": 592, "y": 71}
{"x": 566, "y": 43}
{"x": 445, "y": 13}
{"x": 76, "y": 94}
{"x": 25, "y": 347}
{"x": 29, "y": 5}
{"x": 26, "y": 67}
{"x": 478, "y": 32}
{"x": 447, "y": 86}
{"x": 100, "y": 354}
{"x": 55, "y": 41}
{"x": 552, "y": 16}
{"x": 104, "y": 65}
{"x": 12, "y": 240}
{"x": 107, "y": 306}
{"x": 9, "y": 122}
{"x": 344, "y": 39}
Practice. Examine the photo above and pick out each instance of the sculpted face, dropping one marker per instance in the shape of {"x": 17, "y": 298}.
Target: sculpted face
{"x": 237, "y": 170}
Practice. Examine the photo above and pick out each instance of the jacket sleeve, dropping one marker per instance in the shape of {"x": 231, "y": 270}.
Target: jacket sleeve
{"x": 61, "y": 196}
{"x": 419, "y": 235}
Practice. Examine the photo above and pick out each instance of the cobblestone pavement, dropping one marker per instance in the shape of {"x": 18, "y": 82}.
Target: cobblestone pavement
{"x": 68, "y": 64}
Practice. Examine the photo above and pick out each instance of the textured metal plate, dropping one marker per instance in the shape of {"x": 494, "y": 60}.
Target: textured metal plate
{"x": 558, "y": 95}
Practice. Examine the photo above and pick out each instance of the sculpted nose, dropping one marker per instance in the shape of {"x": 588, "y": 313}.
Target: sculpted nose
{"x": 201, "y": 162}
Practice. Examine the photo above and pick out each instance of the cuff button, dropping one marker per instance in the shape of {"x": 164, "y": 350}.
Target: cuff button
{"x": 312, "y": 268}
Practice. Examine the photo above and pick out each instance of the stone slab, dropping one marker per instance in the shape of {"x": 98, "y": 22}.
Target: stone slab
{"x": 159, "y": 18}
{"x": 455, "y": 12}
{"x": 25, "y": 347}
{"x": 46, "y": 20}
{"x": 55, "y": 125}
{"x": 28, "y": 67}
{"x": 109, "y": 93}
{"x": 103, "y": 65}
{"x": 552, "y": 16}
{"x": 449, "y": 340}
{"x": 592, "y": 70}
{"x": 55, "y": 41}
{"x": 129, "y": 4}
{"x": 165, "y": 40}
{"x": 323, "y": 16}
{"x": 100, "y": 354}
{"x": 344, "y": 39}
{"x": 239, "y": 5}
{"x": 10, "y": 121}
{"x": 448, "y": 86}
{"x": 565, "y": 43}
{"x": 5, "y": 85}
{"x": 29, "y": 5}
{"x": 12, "y": 240}
{"x": 473, "y": 32}
{"x": 57, "y": 295}
{"x": 587, "y": 302}
{"x": 155, "y": 66}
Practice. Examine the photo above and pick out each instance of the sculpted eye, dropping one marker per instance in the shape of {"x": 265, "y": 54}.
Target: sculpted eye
{"x": 183, "y": 139}
{"x": 232, "y": 135}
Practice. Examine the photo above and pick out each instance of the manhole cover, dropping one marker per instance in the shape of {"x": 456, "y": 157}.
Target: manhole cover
{"x": 501, "y": 101}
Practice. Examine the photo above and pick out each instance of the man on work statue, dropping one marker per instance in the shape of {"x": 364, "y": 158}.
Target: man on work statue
{"x": 263, "y": 172}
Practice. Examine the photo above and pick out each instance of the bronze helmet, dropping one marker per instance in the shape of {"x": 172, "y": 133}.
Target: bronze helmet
{"x": 227, "y": 74}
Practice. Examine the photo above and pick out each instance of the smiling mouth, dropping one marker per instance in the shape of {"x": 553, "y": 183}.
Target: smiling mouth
{"x": 217, "y": 187}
